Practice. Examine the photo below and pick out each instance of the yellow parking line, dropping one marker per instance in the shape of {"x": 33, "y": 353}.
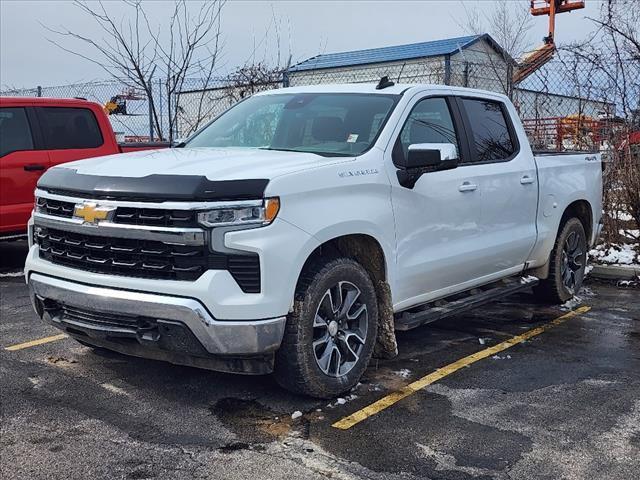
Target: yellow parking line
{"x": 385, "y": 402}
{"x": 34, "y": 343}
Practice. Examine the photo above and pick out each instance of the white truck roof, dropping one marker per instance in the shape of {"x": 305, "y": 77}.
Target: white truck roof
{"x": 370, "y": 88}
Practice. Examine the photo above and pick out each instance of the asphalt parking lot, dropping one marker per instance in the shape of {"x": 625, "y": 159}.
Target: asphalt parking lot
{"x": 563, "y": 403}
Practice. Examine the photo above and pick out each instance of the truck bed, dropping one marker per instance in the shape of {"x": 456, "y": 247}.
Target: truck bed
{"x": 565, "y": 178}
{"x": 550, "y": 153}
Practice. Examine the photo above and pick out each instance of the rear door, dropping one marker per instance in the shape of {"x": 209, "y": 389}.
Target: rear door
{"x": 507, "y": 172}
{"x": 21, "y": 165}
{"x": 72, "y": 133}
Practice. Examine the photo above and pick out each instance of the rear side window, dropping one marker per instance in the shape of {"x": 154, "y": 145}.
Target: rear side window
{"x": 491, "y": 135}
{"x": 65, "y": 128}
{"x": 15, "y": 132}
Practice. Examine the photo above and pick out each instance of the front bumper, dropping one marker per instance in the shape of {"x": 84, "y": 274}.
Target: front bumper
{"x": 155, "y": 322}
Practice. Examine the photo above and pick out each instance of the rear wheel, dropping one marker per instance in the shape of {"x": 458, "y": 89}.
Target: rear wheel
{"x": 568, "y": 263}
{"x": 330, "y": 334}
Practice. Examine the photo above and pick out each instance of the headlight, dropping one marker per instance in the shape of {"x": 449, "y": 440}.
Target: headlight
{"x": 244, "y": 213}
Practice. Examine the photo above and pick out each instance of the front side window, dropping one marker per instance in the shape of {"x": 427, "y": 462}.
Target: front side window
{"x": 15, "y": 132}
{"x": 430, "y": 121}
{"x": 324, "y": 123}
{"x": 64, "y": 128}
{"x": 490, "y": 133}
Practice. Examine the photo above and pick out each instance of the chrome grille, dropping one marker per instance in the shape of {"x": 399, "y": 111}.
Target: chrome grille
{"x": 123, "y": 256}
{"x": 143, "y": 258}
{"x": 156, "y": 217}
{"x": 55, "y": 208}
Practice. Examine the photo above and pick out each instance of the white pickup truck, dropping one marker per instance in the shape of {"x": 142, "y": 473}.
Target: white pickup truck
{"x": 296, "y": 232}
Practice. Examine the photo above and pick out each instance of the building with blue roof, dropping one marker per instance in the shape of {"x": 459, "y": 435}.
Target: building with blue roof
{"x": 474, "y": 61}
{"x": 447, "y": 61}
{"x": 413, "y": 51}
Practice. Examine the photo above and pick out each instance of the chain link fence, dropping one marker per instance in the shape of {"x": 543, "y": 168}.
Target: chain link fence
{"x": 129, "y": 114}
{"x": 566, "y": 105}
{"x": 569, "y": 104}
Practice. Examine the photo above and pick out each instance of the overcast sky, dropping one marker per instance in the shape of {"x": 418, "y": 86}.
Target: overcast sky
{"x": 307, "y": 28}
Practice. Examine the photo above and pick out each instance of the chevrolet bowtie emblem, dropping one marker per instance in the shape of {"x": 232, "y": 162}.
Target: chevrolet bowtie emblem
{"x": 91, "y": 213}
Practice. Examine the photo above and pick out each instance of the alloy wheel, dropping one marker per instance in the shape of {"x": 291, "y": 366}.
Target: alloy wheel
{"x": 339, "y": 329}
{"x": 572, "y": 261}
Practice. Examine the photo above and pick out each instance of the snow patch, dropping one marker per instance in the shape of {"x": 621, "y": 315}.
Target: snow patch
{"x": 632, "y": 234}
{"x": 342, "y": 400}
{"x": 498, "y": 357}
{"x": 624, "y": 216}
{"x": 296, "y": 414}
{"x": 571, "y": 303}
{"x": 114, "y": 389}
{"x": 404, "y": 373}
{"x": 12, "y": 274}
{"x": 616, "y": 254}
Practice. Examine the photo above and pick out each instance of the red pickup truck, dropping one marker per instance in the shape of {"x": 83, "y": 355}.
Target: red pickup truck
{"x": 38, "y": 133}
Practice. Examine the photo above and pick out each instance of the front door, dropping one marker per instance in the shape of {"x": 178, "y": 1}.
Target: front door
{"x": 438, "y": 220}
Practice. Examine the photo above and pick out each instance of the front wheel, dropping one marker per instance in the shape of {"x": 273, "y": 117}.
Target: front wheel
{"x": 331, "y": 332}
{"x": 568, "y": 262}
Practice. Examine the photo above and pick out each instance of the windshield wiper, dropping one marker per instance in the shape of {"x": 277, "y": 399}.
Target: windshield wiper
{"x": 322, "y": 154}
{"x": 279, "y": 149}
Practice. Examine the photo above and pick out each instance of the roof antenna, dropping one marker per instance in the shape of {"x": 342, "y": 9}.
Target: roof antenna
{"x": 384, "y": 83}
{"x": 401, "y": 70}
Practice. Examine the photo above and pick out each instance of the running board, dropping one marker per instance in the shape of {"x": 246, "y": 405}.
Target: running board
{"x": 459, "y": 303}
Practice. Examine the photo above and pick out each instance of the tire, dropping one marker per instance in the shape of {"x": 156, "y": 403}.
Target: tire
{"x": 567, "y": 264}
{"x": 330, "y": 334}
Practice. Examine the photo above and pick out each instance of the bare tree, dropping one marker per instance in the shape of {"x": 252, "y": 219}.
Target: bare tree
{"x": 134, "y": 50}
{"x": 509, "y": 24}
{"x": 611, "y": 52}
{"x": 264, "y": 69}
{"x": 242, "y": 83}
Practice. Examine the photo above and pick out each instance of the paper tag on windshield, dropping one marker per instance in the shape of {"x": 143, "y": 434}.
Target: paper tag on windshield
{"x": 352, "y": 138}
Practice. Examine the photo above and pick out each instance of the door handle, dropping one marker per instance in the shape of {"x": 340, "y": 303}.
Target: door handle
{"x": 467, "y": 187}
{"x": 526, "y": 180}
{"x": 33, "y": 167}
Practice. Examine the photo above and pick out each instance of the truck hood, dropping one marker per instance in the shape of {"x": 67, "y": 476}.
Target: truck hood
{"x": 189, "y": 174}
{"x": 213, "y": 163}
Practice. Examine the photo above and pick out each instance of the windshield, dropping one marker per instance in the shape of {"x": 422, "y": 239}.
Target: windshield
{"x": 330, "y": 124}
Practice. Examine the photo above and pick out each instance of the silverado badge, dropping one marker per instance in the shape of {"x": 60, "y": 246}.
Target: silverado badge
{"x": 91, "y": 213}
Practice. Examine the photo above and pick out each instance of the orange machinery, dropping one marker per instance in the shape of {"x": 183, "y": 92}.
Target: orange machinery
{"x": 544, "y": 53}
{"x": 580, "y": 132}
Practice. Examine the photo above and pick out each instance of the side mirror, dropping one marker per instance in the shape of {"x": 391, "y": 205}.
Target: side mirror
{"x": 426, "y": 157}
{"x": 431, "y": 155}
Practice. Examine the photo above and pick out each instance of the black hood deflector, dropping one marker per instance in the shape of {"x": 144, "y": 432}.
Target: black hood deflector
{"x": 67, "y": 181}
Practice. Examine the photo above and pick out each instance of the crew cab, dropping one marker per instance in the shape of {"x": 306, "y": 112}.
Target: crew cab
{"x": 38, "y": 133}
{"x": 296, "y": 232}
